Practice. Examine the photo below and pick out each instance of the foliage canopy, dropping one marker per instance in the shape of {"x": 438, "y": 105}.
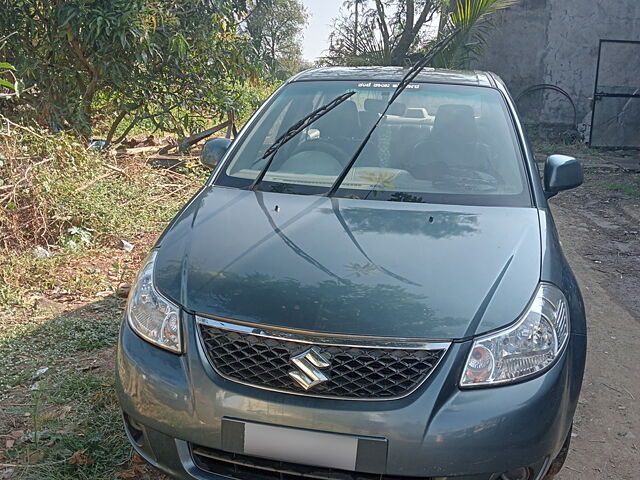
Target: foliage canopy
{"x": 274, "y": 27}
{"x": 168, "y": 62}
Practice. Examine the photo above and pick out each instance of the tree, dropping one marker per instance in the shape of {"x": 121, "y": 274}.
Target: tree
{"x": 383, "y": 32}
{"x": 10, "y": 85}
{"x": 161, "y": 61}
{"x": 391, "y": 32}
{"x": 275, "y": 28}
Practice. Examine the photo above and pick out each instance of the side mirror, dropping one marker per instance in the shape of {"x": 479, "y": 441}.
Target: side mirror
{"x": 213, "y": 151}
{"x": 561, "y": 173}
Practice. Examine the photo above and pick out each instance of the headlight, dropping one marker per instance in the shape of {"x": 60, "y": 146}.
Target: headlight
{"x": 524, "y": 349}
{"x": 152, "y": 316}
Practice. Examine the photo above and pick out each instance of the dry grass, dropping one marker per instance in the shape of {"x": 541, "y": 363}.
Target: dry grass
{"x": 55, "y": 191}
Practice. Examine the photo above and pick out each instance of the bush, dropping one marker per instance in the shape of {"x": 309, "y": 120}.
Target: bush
{"x": 56, "y": 191}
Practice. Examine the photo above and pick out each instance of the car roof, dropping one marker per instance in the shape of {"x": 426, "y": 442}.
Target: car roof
{"x": 395, "y": 74}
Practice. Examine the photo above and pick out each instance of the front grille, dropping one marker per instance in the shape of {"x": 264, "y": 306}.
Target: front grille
{"x": 354, "y": 372}
{"x": 243, "y": 467}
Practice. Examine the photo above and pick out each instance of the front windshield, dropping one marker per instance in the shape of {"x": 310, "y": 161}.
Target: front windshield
{"x": 438, "y": 144}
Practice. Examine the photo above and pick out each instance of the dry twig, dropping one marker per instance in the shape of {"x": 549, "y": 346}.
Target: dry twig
{"x": 95, "y": 180}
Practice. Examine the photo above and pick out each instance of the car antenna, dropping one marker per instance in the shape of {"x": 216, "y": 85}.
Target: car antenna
{"x": 406, "y": 80}
{"x": 293, "y": 131}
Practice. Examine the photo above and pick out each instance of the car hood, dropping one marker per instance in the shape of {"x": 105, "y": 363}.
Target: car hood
{"x": 346, "y": 266}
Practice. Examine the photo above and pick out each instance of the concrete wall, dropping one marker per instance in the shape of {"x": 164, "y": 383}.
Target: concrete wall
{"x": 556, "y": 42}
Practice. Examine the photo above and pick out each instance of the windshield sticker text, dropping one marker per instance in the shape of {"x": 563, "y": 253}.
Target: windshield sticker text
{"x": 386, "y": 85}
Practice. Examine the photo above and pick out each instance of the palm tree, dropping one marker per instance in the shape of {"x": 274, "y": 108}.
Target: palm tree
{"x": 475, "y": 19}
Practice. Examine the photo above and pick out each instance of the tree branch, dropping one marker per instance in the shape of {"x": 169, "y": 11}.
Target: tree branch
{"x": 409, "y": 14}
{"x": 114, "y": 126}
{"x": 133, "y": 123}
{"x": 382, "y": 23}
{"x": 77, "y": 50}
{"x": 426, "y": 11}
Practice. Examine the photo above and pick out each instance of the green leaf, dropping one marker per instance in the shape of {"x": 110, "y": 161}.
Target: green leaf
{"x": 4, "y": 83}
{"x": 6, "y": 66}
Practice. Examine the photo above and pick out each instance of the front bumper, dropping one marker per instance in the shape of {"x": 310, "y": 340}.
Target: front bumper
{"x": 177, "y": 403}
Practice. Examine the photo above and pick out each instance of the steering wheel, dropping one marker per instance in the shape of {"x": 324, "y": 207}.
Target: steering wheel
{"x": 457, "y": 177}
{"x": 318, "y": 145}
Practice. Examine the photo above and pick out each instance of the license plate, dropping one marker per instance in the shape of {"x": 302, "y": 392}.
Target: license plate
{"x": 306, "y": 447}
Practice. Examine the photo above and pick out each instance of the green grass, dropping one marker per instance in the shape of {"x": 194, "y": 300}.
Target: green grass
{"x": 33, "y": 343}
{"x": 544, "y": 147}
{"x": 631, "y": 189}
{"x": 72, "y": 407}
{"x": 22, "y": 272}
{"x": 85, "y": 440}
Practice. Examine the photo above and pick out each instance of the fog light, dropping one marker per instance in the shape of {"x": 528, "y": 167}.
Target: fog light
{"x": 521, "y": 473}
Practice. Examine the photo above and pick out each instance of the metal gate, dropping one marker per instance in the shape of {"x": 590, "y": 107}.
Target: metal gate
{"x": 615, "y": 121}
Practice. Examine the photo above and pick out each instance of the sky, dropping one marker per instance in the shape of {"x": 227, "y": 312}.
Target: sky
{"x": 316, "y": 35}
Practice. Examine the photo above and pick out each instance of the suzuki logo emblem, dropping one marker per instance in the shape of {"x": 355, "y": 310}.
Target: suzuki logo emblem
{"x": 308, "y": 364}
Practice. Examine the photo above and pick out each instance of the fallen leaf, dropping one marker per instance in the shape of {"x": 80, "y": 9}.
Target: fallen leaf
{"x": 80, "y": 458}
{"x": 9, "y": 443}
{"x": 132, "y": 472}
{"x": 31, "y": 457}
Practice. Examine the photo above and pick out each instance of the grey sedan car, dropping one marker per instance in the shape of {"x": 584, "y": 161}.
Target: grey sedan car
{"x": 370, "y": 286}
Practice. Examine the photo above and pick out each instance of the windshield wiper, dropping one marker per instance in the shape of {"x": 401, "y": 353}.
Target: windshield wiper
{"x": 293, "y": 131}
{"x": 406, "y": 80}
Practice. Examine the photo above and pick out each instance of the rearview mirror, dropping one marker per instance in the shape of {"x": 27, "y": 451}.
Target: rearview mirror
{"x": 561, "y": 173}
{"x": 213, "y": 151}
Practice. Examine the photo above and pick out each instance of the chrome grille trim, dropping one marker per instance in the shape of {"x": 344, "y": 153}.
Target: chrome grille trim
{"x": 326, "y": 339}
{"x": 305, "y": 338}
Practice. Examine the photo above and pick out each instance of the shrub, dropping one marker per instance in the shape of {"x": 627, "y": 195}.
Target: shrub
{"x": 54, "y": 190}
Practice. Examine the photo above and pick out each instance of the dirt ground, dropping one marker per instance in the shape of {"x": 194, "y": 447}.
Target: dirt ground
{"x": 599, "y": 226}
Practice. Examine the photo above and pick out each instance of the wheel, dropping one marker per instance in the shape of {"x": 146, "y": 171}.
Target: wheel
{"x": 558, "y": 462}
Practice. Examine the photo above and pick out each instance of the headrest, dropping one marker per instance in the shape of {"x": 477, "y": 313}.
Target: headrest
{"x": 455, "y": 120}
{"x": 417, "y": 113}
{"x": 374, "y": 105}
{"x": 343, "y": 121}
{"x": 452, "y": 112}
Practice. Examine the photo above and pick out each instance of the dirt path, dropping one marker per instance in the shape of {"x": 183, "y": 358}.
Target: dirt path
{"x": 599, "y": 231}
